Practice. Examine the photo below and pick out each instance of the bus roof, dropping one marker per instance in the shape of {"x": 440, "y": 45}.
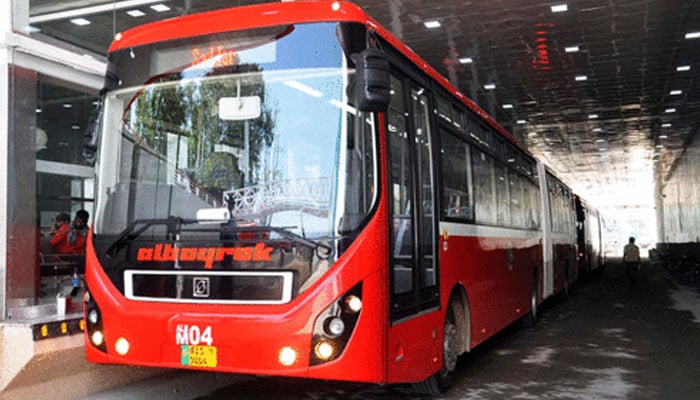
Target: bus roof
{"x": 281, "y": 13}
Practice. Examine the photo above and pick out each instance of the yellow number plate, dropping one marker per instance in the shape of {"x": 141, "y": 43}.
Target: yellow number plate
{"x": 198, "y": 356}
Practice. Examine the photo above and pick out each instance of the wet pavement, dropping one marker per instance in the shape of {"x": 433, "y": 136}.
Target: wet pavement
{"x": 612, "y": 339}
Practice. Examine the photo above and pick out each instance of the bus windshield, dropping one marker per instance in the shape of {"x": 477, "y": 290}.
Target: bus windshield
{"x": 255, "y": 127}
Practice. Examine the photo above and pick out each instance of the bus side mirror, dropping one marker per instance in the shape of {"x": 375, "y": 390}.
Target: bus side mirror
{"x": 372, "y": 80}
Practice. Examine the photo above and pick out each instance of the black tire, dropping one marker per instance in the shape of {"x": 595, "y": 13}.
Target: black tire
{"x": 442, "y": 380}
{"x": 531, "y": 318}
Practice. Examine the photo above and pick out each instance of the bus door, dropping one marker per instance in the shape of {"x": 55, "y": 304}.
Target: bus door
{"x": 414, "y": 287}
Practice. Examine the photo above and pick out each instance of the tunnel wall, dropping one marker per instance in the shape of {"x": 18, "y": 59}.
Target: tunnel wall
{"x": 680, "y": 197}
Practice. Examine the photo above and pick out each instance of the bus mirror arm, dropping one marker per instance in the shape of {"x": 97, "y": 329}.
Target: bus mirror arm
{"x": 92, "y": 132}
{"x": 371, "y": 80}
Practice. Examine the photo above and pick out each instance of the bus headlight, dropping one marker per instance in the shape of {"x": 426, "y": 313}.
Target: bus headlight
{"x": 287, "y": 356}
{"x": 97, "y": 338}
{"x": 334, "y": 326}
{"x": 93, "y": 323}
{"x": 121, "y": 346}
{"x": 324, "y": 350}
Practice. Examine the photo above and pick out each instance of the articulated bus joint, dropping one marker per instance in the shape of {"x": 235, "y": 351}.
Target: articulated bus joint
{"x": 334, "y": 326}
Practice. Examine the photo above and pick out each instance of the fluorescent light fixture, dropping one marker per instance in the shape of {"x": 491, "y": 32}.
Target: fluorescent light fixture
{"x": 136, "y": 13}
{"x": 659, "y": 146}
{"x": 670, "y": 110}
{"x": 580, "y": 78}
{"x": 597, "y": 130}
{"x": 592, "y": 116}
{"x": 84, "y": 11}
{"x": 507, "y": 106}
{"x": 663, "y": 136}
{"x": 560, "y": 8}
{"x": 80, "y": 21}
{"x": 521, "y": 122}
{"x": 75, "y": 127}
{"x": 160, "y": 7}
{"x": 675, "y": 92}
{"x": 666, "y": 125}
{"x": 490, "y": 86}
{"x": 38, "y": 110}
{"x": 432, "y": 24}
{"x": 683, "y": 68}
{"x": 571, "y": 49}
{"x": 600, "y": 140}
{"x": 466, "y": 60}
{"x": 67, "y": 105}
{"x": 692, "y": 35}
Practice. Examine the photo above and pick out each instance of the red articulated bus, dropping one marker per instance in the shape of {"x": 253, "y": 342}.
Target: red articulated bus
{"x": 287, "y": 189}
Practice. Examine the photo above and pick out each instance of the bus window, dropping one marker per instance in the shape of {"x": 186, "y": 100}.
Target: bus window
{"x": 502, "y": 195}
{"x": 484, "y": 188}
{"x": 455, "y": 174}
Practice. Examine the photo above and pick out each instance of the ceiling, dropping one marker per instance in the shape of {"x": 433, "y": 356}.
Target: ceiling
{"x": 608, "y": 117}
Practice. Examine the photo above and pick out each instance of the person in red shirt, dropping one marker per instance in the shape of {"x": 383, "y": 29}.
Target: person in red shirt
{"x": 70, "y": 239}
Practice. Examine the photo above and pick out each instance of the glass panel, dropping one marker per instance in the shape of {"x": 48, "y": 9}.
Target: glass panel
{"x": 423, "y": 145}
{"x": 455, "y": 178}
{"x": 484, "y": 188}
{"x": 401, "y": 189}
{"x": 502, "y": 195}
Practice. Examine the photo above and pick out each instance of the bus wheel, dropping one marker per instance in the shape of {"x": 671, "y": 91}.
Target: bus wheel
{"x": 530, "y": 319}
{"x": 441, "y": 380}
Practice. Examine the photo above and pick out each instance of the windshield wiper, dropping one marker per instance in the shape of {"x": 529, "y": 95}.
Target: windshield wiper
{"x": 174, "y": 225}
{"x": 322, "y": 251}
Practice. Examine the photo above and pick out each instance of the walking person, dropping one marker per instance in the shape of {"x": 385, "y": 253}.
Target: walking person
{"x": 630, "y": 258}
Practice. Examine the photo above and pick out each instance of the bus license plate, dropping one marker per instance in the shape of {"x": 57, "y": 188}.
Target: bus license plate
{"x": 198, "y": 356}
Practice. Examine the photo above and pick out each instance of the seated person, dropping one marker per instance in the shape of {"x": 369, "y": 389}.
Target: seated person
{"x": 70, "y": 239}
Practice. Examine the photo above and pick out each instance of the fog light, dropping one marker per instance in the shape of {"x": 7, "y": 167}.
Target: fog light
{"x": 97, "y": 338}
{"x": 324, "y": 350}
{"x": 121, "y": 346}
{"x": 334, "y": 327}
{"x": 353, "y": 304}
{"x": 287, "y": 356}
{"x": 93, "y": 317}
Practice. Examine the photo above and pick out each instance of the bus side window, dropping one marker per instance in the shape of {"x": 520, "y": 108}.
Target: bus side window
{"x": 455, "y": 177}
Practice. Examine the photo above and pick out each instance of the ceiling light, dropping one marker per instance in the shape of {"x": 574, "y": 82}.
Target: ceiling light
{"x": 75, "y": 127}
{"x": 592, "y": 116}
{"x": 659, "y": 146}
{"x": 38, "y": 110}
{"x": 67, "y": 105}
{"x": 670, "y": 110}
{"x": 521, "y": 122}
{"x": 80, "y": 21}
{"x": 571, "y": 49}
{"x": 432, "y": 24}
{"x": 84, "y": 11}
{"x": 666, "y": 125}
{"x": 490, "y": 86}
{"x": 160, "y": 7}
{"x": 663, "y": 136}
{"x": 692, "y": 35}
{"x": 507, "y": 106}
{"x": 600, "y": 141}
{"x": 581, "y": 78}
{"x": 561, "y": 8}
{"x": 597, "y": 130}
{"x": 675, "y": 92}
{"x": 466, "y": 60}
{"x": 136, "y": 13}
{"x": 683, "y": 68}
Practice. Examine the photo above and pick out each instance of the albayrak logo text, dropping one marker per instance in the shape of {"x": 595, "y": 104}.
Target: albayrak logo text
{"x": 166, "y": 252}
